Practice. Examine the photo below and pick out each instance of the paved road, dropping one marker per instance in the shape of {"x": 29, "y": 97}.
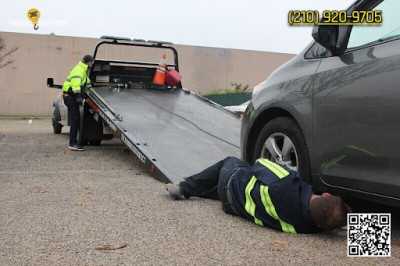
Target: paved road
{"x": 57, "y": 206}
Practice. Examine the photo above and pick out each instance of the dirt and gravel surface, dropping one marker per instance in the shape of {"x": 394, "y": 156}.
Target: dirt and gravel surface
{"x": 58, "y": 206}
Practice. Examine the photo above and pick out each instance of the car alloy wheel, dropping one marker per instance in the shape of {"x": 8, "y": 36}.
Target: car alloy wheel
{"x": 280, "y": 148}
{"x": 282, "y": 141}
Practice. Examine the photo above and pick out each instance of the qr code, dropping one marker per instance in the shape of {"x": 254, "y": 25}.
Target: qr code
{"x": 368, "y": 235}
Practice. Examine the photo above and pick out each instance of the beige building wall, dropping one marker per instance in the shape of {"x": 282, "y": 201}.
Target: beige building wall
{"x": 23, "y": 89}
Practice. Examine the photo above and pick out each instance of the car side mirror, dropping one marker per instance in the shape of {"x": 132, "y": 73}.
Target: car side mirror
{"x": 50, "y": 82}
{"x": 327, "y": 36}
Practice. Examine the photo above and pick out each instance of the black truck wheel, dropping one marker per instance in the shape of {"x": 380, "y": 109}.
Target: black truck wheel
{"x": 56, "y": 126}
{"x": 95, "y": 142}
{"x": 90, "y": 130}
{"x": 282, "y": 141}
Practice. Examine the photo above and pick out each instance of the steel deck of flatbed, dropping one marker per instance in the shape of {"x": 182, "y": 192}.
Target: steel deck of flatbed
{"x": 175, "y": 132}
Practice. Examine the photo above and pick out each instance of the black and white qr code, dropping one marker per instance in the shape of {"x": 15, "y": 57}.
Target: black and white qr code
{"x": 368, "y": 235}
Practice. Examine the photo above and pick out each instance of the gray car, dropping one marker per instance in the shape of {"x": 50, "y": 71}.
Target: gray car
{"x": 333, "y": 111}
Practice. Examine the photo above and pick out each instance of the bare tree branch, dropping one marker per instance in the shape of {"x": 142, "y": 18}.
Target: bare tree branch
{"x": 4, "y": 61}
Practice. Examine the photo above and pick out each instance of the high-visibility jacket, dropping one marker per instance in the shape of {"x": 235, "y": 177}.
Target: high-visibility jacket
{"x": 273, "y": 196}
{"x": 77, "y": 78}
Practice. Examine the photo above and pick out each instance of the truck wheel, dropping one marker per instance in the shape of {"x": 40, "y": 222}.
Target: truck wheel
{"x": 108, "y": 136}
{"x": 90, "y": 130}
{"x": 282, "y": 141}
{"x": 56, "y": 127}
{"x": 94, "y": 142}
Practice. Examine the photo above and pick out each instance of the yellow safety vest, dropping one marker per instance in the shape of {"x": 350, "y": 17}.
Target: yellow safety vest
{"x": 76, "y": 78}
{"x": 250, "y": 205}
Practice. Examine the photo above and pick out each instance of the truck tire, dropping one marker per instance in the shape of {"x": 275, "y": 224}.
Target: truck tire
{"x": 282, "y": 141}
{"x": 108, "y": 136}
{"x": 57, "y": 127}
{"x": 95, "y": 142}
{"x": 90, "y": 130}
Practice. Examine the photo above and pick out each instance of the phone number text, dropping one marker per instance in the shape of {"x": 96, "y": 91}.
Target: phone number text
{"x": 334, "y": 17}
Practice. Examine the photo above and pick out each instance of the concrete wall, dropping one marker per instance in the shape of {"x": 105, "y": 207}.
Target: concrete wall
{"x": 23, "y": 89}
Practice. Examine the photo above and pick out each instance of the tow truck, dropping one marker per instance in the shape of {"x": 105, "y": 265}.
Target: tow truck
{"x": 174, "y": 132}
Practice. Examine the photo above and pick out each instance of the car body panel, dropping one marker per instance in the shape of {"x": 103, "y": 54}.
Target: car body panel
{"x": 286, "y": 90}
{"x": 357, "y": 119}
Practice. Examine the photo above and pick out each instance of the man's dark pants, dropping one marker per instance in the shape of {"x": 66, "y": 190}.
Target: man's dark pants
{"x": 212, "y": 182}
{"x": 74, "y": 116}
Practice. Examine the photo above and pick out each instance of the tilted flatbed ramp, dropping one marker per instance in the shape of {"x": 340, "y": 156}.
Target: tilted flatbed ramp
{"x": 174, "y": 132}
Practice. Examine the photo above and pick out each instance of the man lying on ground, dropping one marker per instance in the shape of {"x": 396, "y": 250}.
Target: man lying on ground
{"x": 267, "y": 194}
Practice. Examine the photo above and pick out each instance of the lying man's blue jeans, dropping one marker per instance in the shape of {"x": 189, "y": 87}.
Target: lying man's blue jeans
{"x": 211, "y": 182}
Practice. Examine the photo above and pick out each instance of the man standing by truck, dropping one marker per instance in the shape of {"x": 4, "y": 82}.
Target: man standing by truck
{"x": 72, "y": 95}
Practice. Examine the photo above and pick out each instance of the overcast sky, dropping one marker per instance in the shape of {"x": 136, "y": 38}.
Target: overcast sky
{"x": 252, "y": 24}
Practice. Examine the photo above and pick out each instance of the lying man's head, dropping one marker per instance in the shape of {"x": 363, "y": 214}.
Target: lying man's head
{"x": 328, "y": 212}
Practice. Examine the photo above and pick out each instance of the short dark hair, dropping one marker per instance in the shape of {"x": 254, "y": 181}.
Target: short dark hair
{"x": 87, "y": 58}
{"x": 329, "y": 212}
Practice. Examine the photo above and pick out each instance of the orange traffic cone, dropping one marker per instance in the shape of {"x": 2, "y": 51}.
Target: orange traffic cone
{"x": 159, "y": 77}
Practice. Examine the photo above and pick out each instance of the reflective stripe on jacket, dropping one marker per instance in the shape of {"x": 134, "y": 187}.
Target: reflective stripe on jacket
{"x": 76, "y": 78}
{"x": 273, "y": 196}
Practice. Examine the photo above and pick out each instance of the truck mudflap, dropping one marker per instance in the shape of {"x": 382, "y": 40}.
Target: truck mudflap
{"x": 174, "y": 133}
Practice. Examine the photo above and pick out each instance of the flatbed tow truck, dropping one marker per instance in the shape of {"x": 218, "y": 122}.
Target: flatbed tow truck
{"x": 174, "y": 132}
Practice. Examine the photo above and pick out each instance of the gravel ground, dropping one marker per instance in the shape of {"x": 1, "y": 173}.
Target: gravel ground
{"x": 57, "y": 206}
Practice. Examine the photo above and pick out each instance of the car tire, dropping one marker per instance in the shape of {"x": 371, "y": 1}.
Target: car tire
{"x": 282, "y": 141}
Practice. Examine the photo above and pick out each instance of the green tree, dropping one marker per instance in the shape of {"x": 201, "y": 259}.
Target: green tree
{"x": 239, "y": 87}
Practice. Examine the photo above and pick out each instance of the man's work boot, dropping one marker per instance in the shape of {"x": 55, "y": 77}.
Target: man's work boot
{"x": 174, "y": 191}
